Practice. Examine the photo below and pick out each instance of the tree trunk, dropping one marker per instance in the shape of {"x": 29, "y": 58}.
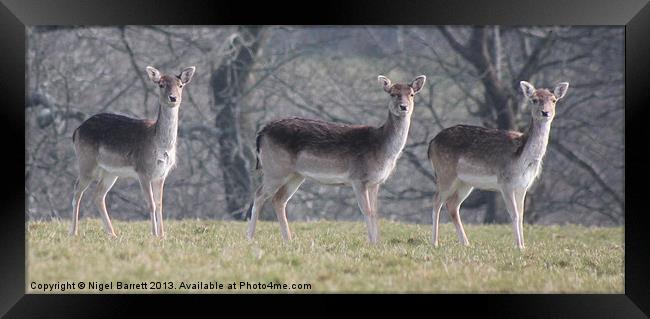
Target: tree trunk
{"x": 496, "y": 94}
{"x": 228, "y": 83}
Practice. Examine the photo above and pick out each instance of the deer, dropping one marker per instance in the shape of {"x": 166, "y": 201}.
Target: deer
{"x": 292, "y": 149}
{"x": 465, "y": 157}
{"x": 108, "y": 146}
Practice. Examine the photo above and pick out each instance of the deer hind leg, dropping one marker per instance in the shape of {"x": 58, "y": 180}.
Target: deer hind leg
{"x": 512, "y": 207}
{"x": 280, "y": 200}
{"x": 363, "y": 199}
{"x": 157, "y": 188}
{"x": 106, "y": 182}
{"x": 437, "y": 205}
{"x": 446, "y": 188}
{"x": 263, "y": 192}
{"x": 147, "y": 190}
{"x": 80, "y": 186}
{"x": 453, "y": 208}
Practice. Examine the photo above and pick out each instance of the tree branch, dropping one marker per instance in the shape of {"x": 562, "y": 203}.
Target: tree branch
{"x": 589, "y": 168}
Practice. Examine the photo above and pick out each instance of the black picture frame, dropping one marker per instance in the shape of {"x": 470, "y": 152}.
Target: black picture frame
{"x": 633, "y": 14}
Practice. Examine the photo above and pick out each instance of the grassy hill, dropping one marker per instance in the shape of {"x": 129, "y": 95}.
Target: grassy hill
{"x": 328, "y": 256}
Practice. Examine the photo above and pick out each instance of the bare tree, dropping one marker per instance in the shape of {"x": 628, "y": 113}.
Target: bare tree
{"x": 228, "y": 82}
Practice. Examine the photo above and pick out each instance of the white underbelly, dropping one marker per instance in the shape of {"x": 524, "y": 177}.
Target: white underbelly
{"x": 121, "y": 171}
{"x": 327, "y": 178}
{"x": 487, "y": 182}
{"x": 115, "y": 164}
{"x": 475, "y": 173}
{"x": 324, "y": 169}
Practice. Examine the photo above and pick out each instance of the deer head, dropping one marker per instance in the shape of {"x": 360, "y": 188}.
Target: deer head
{"x": 542, "y": 100}
{"x": 401, "y": 95}
{"x": 171, "y": 87}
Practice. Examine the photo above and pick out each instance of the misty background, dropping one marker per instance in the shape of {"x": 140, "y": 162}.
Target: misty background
{"x": 247, "y": 76}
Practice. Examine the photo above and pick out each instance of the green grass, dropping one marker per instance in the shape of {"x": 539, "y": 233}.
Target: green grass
{"x": 331, "y": 256}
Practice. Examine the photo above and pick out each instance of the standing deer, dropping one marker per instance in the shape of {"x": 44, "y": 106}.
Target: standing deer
{"x": 290, "y": 150}
{"x": 109, "y": 146}
{"x": 465, "y": 157}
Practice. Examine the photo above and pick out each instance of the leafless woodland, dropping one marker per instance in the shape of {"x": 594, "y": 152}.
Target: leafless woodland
{"x": 248, "y": 76}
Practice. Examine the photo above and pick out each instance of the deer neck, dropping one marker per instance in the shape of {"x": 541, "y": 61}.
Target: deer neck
{"x": 394, "y": 133}
{"x": 536, "y": 140}
{"x": 166, "y": 127}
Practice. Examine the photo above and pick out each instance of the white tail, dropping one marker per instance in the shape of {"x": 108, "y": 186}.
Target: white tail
{"x": 109, "y": 146}
{"x": 293, "y": 149}
{"x": 466, "y": 157}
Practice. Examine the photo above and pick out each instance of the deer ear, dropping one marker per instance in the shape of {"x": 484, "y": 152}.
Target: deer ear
{"x": 186, "y": 74}
{"x": 153, "y": 74}
{"x": 560, "y": 90}
{"x": 418, "y": 83}
{"x": 385, "y": 82}
{"x": 527, "y": 88}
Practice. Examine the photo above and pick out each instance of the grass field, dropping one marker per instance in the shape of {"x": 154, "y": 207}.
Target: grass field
{"x": 329, "y": 256}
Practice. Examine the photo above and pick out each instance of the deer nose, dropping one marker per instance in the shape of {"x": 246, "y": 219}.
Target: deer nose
{"x": 172, "y": 98}
{"x": 545, "y": 114}
{"x": 403, "y": 107}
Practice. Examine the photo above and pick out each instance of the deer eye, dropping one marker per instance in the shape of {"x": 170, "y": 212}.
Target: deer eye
{"x": 180, "y": 85}
{"x": 161, "y": 85}
{"x": 393, "y": 95}
{"x": 412, "y": 95}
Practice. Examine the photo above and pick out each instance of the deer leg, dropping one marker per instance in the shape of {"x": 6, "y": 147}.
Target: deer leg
{"x": 437, "y": 205}
{"x": 453, "y": 208}
{"x": 104, "y": 185}
{"x": 262, "y": 193}
{"x": 445, "y": 189}
{"x": 520, "y": 197}
{"x": 373, "y": 191}
{"x": 511, "y": 204}
{"x": 260, "y": 197}
{"x": 157, "y": 188}
{"x": 80, "y": 186}
{"x": 280, "y": 200}
{"x": 361, "y": 192}
{"x": 145, "y": 184}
